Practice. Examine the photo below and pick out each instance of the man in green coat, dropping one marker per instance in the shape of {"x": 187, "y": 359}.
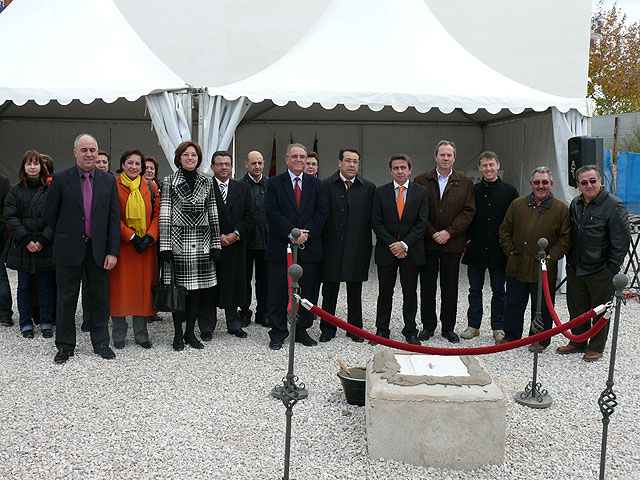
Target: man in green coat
{"x": 528, "y": 218}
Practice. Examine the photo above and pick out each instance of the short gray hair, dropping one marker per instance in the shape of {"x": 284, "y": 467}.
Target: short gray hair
{"x": 588, "y": 168}
{"x": 75, "y": 142}
{"x": 541, "y": 170}
{"x": 299, "y": 145}
{"x": 445, "y": 142}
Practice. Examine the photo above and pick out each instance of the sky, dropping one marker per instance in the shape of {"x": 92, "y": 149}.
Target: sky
{"x": 630, "y": 7}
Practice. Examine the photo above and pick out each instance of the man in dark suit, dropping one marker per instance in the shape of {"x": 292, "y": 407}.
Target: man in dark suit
{"x": 236, "y": 217}
{"x": 346, "y": 240}
{"x": 257, "y": 241}
{"x": 84, "y": 209}
{"x": 293, "y": 200}
{"x": 399, "y": 218}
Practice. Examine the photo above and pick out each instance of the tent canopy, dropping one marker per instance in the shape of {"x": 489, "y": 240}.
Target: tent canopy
{"x": 75, "y": 49}
{"x": 372, "y": 52}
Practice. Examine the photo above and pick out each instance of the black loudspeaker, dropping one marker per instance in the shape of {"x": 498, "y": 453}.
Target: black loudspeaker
{"x": 584, "y": 151}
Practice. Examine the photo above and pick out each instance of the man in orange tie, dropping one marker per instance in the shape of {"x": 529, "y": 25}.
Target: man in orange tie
{"x": 399, "y": 218}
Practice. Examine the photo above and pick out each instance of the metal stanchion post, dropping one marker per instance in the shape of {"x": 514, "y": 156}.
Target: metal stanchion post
{"x": 534, "y": 395}
{"x": 289, "y": 392}
{"x": 607, "y": 401}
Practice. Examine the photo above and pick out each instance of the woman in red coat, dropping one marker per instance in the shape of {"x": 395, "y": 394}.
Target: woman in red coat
{"x": 137, "y": 269}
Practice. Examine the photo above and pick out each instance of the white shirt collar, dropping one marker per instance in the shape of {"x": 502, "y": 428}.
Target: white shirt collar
{"x": 396, "y": 184}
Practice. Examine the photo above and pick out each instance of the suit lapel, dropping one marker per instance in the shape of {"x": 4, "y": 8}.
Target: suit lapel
{"x": 287, "y": 184}
{"x": 306, "y": 190}
{"x": 74, "y": 185}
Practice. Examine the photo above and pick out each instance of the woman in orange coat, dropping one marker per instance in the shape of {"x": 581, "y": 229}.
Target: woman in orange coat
{"x": 137, "y": 269}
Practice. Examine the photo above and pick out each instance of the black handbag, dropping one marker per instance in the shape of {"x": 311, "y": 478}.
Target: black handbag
{"x": 168, "y": 297}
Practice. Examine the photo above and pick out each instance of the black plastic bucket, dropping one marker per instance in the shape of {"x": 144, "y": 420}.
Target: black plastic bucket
{"x": 354, "y": 386}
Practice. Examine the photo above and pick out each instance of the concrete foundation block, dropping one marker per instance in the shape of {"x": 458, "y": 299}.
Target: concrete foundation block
{"x": 442, "y": 412}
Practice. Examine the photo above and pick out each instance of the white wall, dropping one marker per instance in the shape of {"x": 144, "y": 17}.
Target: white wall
{"x": 543, "y": 44}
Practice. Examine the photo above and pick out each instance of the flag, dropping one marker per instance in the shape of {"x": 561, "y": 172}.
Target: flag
{"x": 315, "y": 143}
{"x": 291, "y": 137}
{"x": 272, "y": 165}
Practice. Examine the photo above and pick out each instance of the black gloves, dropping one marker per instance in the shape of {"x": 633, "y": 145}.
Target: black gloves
{"x": 144, "y": 243}
{"x": 166, "y": 256}
{"x": 215, "y": 254}
{"x": 135, "y": 241}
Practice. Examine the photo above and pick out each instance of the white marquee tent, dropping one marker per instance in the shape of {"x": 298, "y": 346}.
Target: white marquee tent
{"x": 417, "y": 82}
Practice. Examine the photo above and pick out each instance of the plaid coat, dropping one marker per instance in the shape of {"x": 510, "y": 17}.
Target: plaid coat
{"x": 189, "y": 228}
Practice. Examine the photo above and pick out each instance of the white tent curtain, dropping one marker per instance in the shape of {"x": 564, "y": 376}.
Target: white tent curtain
{"x": 172, "y": 120}
{"x": 565, "y": 126}
{"x": 220, "y": 117}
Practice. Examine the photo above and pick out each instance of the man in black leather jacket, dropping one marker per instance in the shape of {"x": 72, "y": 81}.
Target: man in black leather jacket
{"x": 601, "y": 236}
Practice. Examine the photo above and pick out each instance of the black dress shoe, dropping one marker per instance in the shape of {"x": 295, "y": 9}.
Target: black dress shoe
{"x": 154, "y": 318}
{"x": 105, "y": 352}
{"x": 275, "y": 344}
{"x": 62, "y": 356}
{"x": 355, "y": 338}
{"x": 238, "y": 333}
{"x": 119, "y": 344}
{"x": 306, "y": 340}
{"x": 85, "y": 327}
{"x": 425, "y": 335}
{"x": 27, "y": 334}
{"x": 206, "y": 336}
{"x": 145, "y": 345}
{"x": 194, "y": 343}
{"x": 6, "y": 321}
{"x": 262, "y": 320}
{"x": 413, "y": 340}
{"x": 178, "y": 344}
{"x": 46, "y": 333}
{"x": 245, "y": 319}
{"x": 451, "y": 336}
{"x": 326, "y": 337}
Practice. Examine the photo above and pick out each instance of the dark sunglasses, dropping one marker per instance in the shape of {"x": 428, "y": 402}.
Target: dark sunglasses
{"x": 591, "y": 181}
{"x": 538, "y": 182}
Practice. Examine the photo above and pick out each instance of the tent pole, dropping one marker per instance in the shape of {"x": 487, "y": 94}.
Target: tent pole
{"x": 200, "y": 119}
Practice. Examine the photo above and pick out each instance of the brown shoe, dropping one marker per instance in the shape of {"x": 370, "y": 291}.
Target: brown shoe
{"x": 540, "y": 348}
{"x": 567, "y": 349}
{"x": 500, "y": 342}
{"x": 591, "y": 356}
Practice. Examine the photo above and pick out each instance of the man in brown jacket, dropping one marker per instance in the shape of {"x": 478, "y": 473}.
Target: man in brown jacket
{"x": 529, "y": 218}
{"x": 451, "y": 210}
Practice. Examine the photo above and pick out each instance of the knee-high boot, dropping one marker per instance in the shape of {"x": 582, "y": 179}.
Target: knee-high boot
{"x": 178, "y": 342}
{"x": 193, "y": 301}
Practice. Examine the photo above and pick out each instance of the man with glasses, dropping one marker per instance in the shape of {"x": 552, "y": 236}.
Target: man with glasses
{"x": 601, "y": 236}
{"x": 237, "y": 219}
{"x": 293, "y": 200}
{"x": 346, "y": 240}
{"x": 528, "y": 218}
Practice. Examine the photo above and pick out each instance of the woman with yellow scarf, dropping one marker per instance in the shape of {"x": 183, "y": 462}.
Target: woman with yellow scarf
{"x": 137, "y": 269}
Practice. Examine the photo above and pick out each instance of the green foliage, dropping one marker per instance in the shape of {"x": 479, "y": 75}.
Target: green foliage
{"x": 614, "y": 62}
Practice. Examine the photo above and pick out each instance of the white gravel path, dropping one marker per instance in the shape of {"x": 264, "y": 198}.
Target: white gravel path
{"x": 160, "y": 414}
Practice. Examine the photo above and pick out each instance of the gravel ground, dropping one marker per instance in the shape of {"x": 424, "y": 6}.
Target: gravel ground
{"x": 160, "y": 414}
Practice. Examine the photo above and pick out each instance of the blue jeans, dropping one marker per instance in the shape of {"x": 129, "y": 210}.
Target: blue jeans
{"x": 5, "y": 294}
{"x": 45, "y": 299}
{"x": 497, "y": 277}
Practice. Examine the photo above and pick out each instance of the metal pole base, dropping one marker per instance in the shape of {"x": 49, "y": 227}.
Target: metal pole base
{"x": 533, "y": 397}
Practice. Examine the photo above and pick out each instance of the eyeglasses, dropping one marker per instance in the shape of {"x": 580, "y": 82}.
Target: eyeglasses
{"x": 538, "y": 182}
{"x": 591, "y": 181}
{"x": 352, "y": 161}
{"x": 226, "y": 164}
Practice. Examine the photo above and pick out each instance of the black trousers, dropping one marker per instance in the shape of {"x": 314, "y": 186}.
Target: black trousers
{"x": 208, "y": 316}
{"x": 256, "y": 257}
{"x": 386, "y": 283}
{"x": 68, "y": 280}
{"x": 584, "y": 293}
{"x": 518, "y": 294}
{"x": 330, "y": 299}
{"x": 278, "y": 298}
{"x": 448, "y": 266}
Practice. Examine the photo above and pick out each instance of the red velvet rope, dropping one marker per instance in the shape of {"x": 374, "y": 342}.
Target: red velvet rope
{"x": 602, "y": 321}
{"x": 449, "y": 351}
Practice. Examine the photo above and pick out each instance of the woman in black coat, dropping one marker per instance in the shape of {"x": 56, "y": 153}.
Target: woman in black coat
{"x": 30, "y": 251}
